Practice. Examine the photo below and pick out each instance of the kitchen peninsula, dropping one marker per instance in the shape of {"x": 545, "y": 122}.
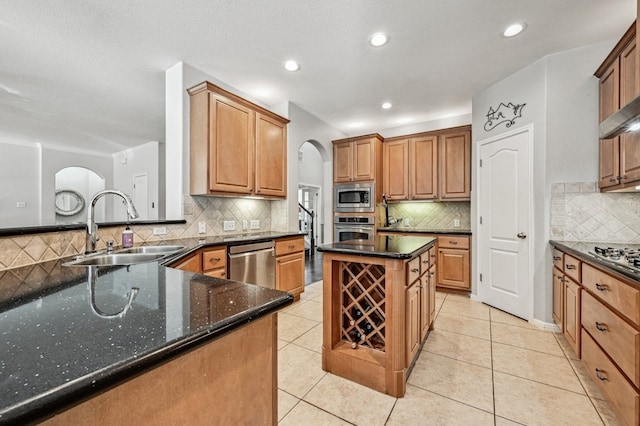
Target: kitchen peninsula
{"x": 379, "y": 305}
{"x": 142, "y": 343}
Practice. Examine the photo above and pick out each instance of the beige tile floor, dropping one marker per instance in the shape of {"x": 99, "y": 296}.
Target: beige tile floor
{"x": 479, "y": 366}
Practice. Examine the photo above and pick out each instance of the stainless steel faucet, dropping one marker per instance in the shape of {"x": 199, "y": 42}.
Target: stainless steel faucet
{"x": 92, "y": 227}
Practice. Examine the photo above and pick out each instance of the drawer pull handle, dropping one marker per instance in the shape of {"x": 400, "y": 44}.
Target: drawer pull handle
{"x": 425, "y": 262}
{"x": 556, "y": 258}
{"x": 601, "y": 287}
{"x": 600, "y": 326}
{"x": 416, "y": 270}
{"x": 291, "y": 247}
{"x": 570, "y": 266}
{"x": 453, "y": 242}
{"x": 433, "y": 256}
{"x": 214, "y": 259}
{"x": 599, "y": 375}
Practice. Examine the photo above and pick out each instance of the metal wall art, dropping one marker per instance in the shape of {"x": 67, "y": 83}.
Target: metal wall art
{"x": 506, "y": 114}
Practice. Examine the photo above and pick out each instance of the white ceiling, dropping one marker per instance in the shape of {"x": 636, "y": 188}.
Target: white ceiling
{"x": 89, "y": 74}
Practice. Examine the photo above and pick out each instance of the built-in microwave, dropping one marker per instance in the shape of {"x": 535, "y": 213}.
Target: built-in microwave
{"x": 354, "y": 197}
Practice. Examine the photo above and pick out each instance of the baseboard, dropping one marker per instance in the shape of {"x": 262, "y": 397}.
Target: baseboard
{"x": 549, "y": 326}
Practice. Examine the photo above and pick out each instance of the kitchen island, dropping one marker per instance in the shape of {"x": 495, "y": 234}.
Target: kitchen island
{"x": 143, "y": 344}
{"x": 379, "y": 305}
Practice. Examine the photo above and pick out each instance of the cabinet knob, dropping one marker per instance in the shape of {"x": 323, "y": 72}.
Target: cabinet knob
{"x": 557, "y": 257}
{"x": 521, "y": 235}
{"x": 601, "y": 287}
{"x": 613, "y": 180}
{"x": 599, "y": 374}
{"x": 568, "y": 266}
{"x": 416, "y": 270}
{"x": 601, "y": 327}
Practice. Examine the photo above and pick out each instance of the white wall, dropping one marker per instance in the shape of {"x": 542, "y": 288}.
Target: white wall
{"x": 560, "y": 95}
{"x": 143, "y": 159}
{"x": 427, "y": 126}
{"x": 20, "y": 182}
{"x": 310, "y": 169}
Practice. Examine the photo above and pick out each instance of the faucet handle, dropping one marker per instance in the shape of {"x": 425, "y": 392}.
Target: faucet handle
{"x": 110, "y": 246}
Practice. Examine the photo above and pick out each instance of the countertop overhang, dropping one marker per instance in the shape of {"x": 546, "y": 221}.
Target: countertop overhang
{"x": 393, "y": 247}
{"x": 412, "y": 230}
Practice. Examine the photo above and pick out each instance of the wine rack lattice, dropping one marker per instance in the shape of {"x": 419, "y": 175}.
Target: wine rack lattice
{"x": 363, "y": 304}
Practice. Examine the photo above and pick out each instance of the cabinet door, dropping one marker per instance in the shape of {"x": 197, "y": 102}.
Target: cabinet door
{"x": 412, "y": 318}
{"x": 423, "y": 168}
{"x": 271, "y": 157}
{"x": 364, "y": 160}
{"x": 425, "y": 309}
{"x": 558, "y": 298}
{"x": 455, "y": 165}
{"x": 193, "y": 263}
{"x": 396, "y": 170}
{"x": 609, "y": 164}
{"x": 629, "y": 157}
{"x": 290, "y": 273}
{"x": 432, "y": 296}
{"x": 342, "y": 162}
{"x": 453, "y": 268}
{"x": 628, "y": 89}
{"x": 232, "y": 146}
{"x": 572, "y": 314}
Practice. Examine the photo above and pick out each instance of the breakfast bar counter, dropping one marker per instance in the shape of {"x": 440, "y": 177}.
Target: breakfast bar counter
{"x": 379, "y": 302}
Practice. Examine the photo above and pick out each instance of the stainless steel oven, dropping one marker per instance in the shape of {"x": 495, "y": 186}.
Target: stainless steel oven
{"x": 353, "y": 229}
{"x": 354, "y": 197}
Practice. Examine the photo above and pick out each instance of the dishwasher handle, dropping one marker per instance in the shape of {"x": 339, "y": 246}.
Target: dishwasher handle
{"x": 251, "y": 253}
{"x": 251, "y": 248}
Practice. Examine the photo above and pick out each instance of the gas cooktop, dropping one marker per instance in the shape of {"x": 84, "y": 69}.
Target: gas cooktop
{"x": 626, "y": 257}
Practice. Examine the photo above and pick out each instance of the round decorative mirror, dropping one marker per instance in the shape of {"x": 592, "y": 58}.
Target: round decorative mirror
{"x": 68, "y": 202}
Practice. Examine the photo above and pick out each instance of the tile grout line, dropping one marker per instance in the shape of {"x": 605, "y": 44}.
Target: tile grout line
{"x": 493, "y": 380}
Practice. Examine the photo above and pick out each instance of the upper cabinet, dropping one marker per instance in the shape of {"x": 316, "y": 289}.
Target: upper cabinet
{"x": 429, "y": 166}
{"x": 236, "y": 147}
{"x": 357, "y": 159}
{"x": 619, "y": 165}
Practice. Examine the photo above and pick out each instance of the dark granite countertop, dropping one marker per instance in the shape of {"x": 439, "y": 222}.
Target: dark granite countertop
{"x": 395, "y": 247}
{"x": 581, "y": 250}
{"x": 411, "y": 230}
{"x": 61, "y": 343}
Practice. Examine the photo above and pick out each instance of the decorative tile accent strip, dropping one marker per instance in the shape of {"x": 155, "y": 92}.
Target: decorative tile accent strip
{"x": 580, "y": 213}
{"x": 431, "y": 215}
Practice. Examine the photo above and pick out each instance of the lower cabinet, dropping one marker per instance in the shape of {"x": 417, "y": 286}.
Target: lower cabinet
{"x": 290, "y": 265}
{"x": 214, "y": 262}
{"x": 412, "y": 312}
{"x": 191, "y": 263}
{"x": 419, "y": 303}
{"x": 571, "y": 315}
{"x": 558, "y": 298}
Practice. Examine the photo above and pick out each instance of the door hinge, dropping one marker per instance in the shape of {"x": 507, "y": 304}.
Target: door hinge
{"x": 480, "y": 277}
{"x": 480, "y": 220}
{"x": 480, "y": 163}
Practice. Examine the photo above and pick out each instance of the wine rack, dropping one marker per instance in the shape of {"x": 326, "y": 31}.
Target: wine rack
{"x": 363, "y": 305}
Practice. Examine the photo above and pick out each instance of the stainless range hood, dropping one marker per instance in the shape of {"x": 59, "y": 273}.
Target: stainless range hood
{"x": 621, "y": 120}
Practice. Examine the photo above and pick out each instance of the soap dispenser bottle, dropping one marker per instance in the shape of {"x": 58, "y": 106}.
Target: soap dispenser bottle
{"x": 127, "y": 237}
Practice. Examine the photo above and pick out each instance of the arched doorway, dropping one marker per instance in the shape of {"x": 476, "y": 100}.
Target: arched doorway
{"x": 311, "y": 193}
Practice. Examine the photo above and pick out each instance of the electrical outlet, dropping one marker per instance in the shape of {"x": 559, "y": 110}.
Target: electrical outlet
{"x": 456, "y": 223}
{"x": 245, "y": 225}
{"x": 229, "y": 225}
{"x": 160, "y": 231}
{"x": 202, "y": 227}
{"x": 255, "y": 224}
{"x": 407, "y": 221}
{"x": 21, "y": 204}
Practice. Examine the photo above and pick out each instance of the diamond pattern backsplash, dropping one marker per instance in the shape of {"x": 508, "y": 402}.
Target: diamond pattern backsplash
{"x": 24, "y": 250}
{"x": 580, "y": 213}
{"x": 429, "y": 215}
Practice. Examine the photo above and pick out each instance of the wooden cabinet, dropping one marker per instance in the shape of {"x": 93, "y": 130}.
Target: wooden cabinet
{"x": 454, "y": 262}
{"x": 619, "y": 160}
{"x": 191, "y": 263}
{"x": 429, "y": 166}
{"x": 290, "y": 265}
{"x": 420, "y": 302}
{"x": 558, "y": 298}
{"x": 412, "y": 312}
{"x": 396, "y": 170}
{"x": 236, "y": 147}
{"x": 214, "y": 262}
{"x": 571, "y": 315}
{"x": 357, "y": 159}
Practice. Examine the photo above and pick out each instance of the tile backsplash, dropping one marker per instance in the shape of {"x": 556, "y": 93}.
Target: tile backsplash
{"x": 432, "y": 215}
{"x": 16, "y": 251}
{"x": 580, "y": 213}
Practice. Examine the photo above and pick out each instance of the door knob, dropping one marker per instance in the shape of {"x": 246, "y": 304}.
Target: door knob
{"x": 522, "y": 235}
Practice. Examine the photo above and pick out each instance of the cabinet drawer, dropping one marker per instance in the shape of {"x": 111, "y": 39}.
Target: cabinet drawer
{"x": 453, "y": 242}
{"x": 572, "y": 267}
{"x": 617, "y": 338}
{"x": 622, "y": 396}
{"x": 558, "y": 259}
{"x": 413, "y": 270}
{"x": 427, "y": 259}
{"x": 218, "y": 273}
{"x": 286, "y": 246}
{"x": 620, "y": 296}
{"x": 214, "y": 259}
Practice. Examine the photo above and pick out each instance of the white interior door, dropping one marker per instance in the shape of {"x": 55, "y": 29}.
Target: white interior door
{"x": 504, "y": 222}
{"x": 140, "y": 194}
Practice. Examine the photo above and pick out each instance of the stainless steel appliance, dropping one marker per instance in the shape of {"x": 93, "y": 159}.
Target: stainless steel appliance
{"x": 354, "y": 197}
{"x": 354, "y": 229}
{"x": 626, "y": 257}
{"x": 253, "y": 263}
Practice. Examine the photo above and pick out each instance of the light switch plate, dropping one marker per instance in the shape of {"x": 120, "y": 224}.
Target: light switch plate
{"x": 456, "y": 223}
{"x": 229, "y": 225}
{"x": 202, "y": 227}
{"x": 255, "y": 224}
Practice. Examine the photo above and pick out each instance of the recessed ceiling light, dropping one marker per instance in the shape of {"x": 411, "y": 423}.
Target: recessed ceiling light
{"x": 386, "y": 105}
{"x": 291, "y": 65}
{"x": 513, "y": 30}
{"x": 378, "y": 39}
{"x": 356, "y": 124}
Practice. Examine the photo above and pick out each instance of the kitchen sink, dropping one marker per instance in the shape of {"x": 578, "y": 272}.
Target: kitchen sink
{"x": 152, "y": 249}
{"x": 116, "y": 259}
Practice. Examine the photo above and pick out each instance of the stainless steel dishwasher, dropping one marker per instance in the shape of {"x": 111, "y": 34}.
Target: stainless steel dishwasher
{"x": 253, "y": 263}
